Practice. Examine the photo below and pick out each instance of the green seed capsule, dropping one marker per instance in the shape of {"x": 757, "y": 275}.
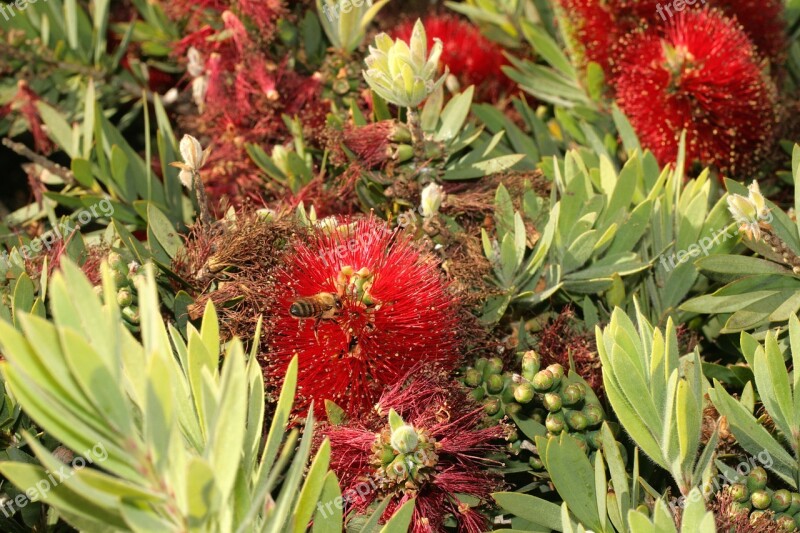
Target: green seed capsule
{"x": 536, "y": 463}
{"x": 757, "y": 479}
{"x": 495, "y": 383}
{"x": 115, "y": 260}
{"x": 524, "y": 392}
{"x": 573, "y": 394}
{"x": 576, "y": 420}
{"x": 543, "y": 381}
{"x": 552, "y": 402}
{"x": 120, "y": 279}
{"x": 755, "y": 515}
{"x": 480, "y": 364}
{"x": 473, "y": 377}
{"x": 555, "y": 423}
{"x": 760, "y": 499}
{"x": 508, "y": 390}
{"x": 491, "y": 406}
{"x": 594, "y": 414}
{"x": 130, "y": 314}
{"x": 781, "y": 500}
{"x": 739, "y": 492}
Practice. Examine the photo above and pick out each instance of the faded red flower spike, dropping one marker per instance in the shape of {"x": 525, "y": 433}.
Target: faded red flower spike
{"x": 425, "y": 443}
{"x": 472, "y": 58}
{"x": 700, "y": 74}
{"x": 359, "y": 305}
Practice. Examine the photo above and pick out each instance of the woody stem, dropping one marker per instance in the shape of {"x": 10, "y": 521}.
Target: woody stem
{"x": 202, "y": 199}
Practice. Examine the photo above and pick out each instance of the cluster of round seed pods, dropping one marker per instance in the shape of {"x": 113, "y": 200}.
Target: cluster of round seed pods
{"x": 752, "y": 496}
{"x": 124, "y": 273}
{"x": 546, "y": 396}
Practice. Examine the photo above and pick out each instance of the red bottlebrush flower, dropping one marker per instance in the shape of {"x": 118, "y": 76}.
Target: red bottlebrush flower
{"x": 592, "y": 30}
{"x": 701, "y": 74}
{"x": 472, "y": 58}
{"x": 426, "y": 442}
{"x": 763, "y": 21}
{"x": 25, "y": 101}
{"x": 375, "y": 306}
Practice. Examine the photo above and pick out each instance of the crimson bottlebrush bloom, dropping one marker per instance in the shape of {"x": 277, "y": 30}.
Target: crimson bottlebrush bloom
{"x": 424, "y": 441}
{"x": 25, "y": 102}
{"x": 593, "y": 30}
{"x": 763, "y": 21}
{"x": 385, "y": 307}
{"x": 700, "y": 74}
{"x": 472, "y": 58}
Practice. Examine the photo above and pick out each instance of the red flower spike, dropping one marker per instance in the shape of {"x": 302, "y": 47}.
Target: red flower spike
{"x": 472, "y": 58}
{"x": 392, "y": 311}
{"x": 594, "y": 30}
{"x": 701, "y": 74}
{"x": 438, "y": 453}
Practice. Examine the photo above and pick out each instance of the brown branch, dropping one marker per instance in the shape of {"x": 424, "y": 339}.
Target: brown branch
{"x": 20, "y": 149}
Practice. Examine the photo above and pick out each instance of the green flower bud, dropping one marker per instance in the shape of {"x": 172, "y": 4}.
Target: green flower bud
{"x": 508, "y": 390}
{"x": 557, "y": 371}
{"x": 739, "y": 492}
{"x": 513, "y": 408}
{"x": 594, "y": 414}
{"x": 403, "y": 153}
{"x": 495, "y": 383}
{"x": 794, "y": 507}
{"x": 480, "y": 364}
{"x": 403, "y": 73}
{"x": 781, "y": 500}
{"x": 739, "y": 507}
{"x": 760, "y": 499}
{"x": 494, "y": 365}
{"x": 115, "y": 260}
{"x": 536, "y": 463}
{"x": 473, "y": 377}
{"x": 130, "y": 314}
{"x": 552, "y": 402}
{"x": 573, "y": 394}
{"x": 512, "y": 436}
{"x": 491, "y": 406}
{"x": 404, "y": 439}
{"x": 576, "y": 420}
{"x": 594, "y": 439}
{"x": 124, "y": 297}
{"x": 478, "y": 394}
{"x": 387, "y": 455}
{"x": 120, "y": 279}
{"x": 523, "y": 393}
{"x": 543, "y": 381}
{"x": 530, "y": 363}
{"x": 757, "y": 479}
{"x": 755, "y": 515}
{"x": 785, "y": 522}
{"x": 555, "y": 423}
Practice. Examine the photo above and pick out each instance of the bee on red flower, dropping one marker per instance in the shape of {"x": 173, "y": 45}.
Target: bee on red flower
{"x": 424, "y": 441}
{"x": 386, "y": 308}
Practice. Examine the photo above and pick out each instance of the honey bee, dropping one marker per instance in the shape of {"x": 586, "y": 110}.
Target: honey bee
{"x": 321, "y": 306}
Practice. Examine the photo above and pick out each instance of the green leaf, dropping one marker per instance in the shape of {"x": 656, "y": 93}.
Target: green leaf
{"x": 164, "y": 230}
{"x": 574, "y": 479}
{"x": 454, "y": 115}
{"x": 531, "y": 508}
{"x": 401, "y": 519}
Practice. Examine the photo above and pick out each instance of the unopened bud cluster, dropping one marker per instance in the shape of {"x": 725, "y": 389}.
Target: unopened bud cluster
{"x": 752, "y": 496}
{"x": 548, "y": 396}
{"x": 124, "y": 273}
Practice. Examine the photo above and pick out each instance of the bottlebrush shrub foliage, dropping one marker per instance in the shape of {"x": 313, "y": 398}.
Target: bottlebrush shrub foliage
{"x": 704, "y": 76}
{"x": 183, "y": 438}
{"x": 426, "y": 443}
{"x": 395, "y": 311}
